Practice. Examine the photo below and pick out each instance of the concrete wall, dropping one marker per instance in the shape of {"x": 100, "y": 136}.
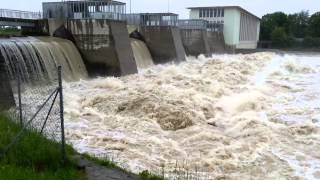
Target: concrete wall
{"x": 164, "y": 43}
{"x": 195, "y": 41}
{"x": 231, "y": 28}
{"x": 104, "y": 45}
{"x": 6, "y": 95}
{"x": 122, "y": 45}
{"x": 216, "y": 42}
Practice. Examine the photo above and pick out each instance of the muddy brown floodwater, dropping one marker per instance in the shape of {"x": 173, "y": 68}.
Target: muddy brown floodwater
{"x": 250, "y": 116}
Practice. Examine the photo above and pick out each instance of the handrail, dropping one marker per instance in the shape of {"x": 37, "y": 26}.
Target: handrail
{"x": 17, "y": 14}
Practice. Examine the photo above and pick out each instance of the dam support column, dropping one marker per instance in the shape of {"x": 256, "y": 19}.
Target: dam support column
{"x": 104, "y": 45}
{"x": 164, "y": 43}
{"x": 195, "y": 41}
{"x": 122, "y": 45}
{"x": 6, "y": 94}
{"x": 216, "y": 42}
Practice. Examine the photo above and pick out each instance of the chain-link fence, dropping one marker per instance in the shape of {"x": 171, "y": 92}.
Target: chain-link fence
{"x": 39, "y": 107}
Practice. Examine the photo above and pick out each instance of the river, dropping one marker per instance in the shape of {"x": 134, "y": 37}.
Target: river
{"x": 253, "y": 116}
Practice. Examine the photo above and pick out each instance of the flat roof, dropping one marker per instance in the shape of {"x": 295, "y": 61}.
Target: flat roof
{"x": 89, "y": 1}
{"x": 231, "y": 7}
{"x": 159, "y": 14}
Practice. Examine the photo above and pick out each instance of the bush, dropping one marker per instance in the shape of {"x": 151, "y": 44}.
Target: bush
{"x": 311, "y": 42}
{"x": 279, "y": 37}
{"x": 32, "y": 157}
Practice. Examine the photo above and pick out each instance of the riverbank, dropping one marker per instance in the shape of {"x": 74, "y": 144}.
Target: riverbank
{"x": 35, "y": 157}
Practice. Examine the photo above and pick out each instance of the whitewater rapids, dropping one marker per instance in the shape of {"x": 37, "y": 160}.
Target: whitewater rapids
{"x": 251, "y": 116}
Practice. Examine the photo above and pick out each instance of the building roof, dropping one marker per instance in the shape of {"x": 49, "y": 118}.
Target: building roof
{"x": 225, "y": 7}
{"x": 89, "y": 1}
{"x": 159, "y": 14}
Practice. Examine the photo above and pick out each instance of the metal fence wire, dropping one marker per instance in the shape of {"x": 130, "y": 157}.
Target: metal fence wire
{"x": 39, "y": 107}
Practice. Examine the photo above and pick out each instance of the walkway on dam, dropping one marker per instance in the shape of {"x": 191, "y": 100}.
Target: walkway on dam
{"x": 9, "y": 17}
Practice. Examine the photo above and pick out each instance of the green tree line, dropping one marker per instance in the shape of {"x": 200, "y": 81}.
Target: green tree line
{"x": 293, "y": 30}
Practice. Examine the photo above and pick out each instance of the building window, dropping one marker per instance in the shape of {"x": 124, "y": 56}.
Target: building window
{"x": 219, "y": 12}
{"x": 215, "y": 12}
{"x": 222, "y": 12}
{"x": 208, "y": 13}
{"x": 200, "y": 13}
{"x": 211, "y": 12}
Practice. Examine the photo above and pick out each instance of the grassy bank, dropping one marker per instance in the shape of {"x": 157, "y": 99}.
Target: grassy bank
{"x": 33, "y": 157}
{"x": 10, "y": 32}
{"x": 36, "y": 158}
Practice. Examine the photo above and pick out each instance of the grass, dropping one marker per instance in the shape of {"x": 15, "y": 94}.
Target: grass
{"x": 145, "y": 175}
{"x": 33, "y": 157}
{"x": 10, "y": 32}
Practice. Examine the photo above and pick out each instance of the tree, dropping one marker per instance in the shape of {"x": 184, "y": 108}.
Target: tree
{"x": 314, "y": 25}
{"x": 279, "y": 37}
{"x": 298, "y": 24}
{"x": 271, "y": 21}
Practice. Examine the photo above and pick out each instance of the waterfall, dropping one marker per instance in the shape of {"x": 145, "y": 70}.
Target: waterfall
{"x": 37, "y": 58}
{"x": 141, "y": 54}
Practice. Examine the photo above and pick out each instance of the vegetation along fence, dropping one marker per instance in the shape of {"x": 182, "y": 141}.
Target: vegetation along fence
{"x": 39, "y": 108}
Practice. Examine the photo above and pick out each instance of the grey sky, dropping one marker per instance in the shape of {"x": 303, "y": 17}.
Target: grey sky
{"x": 257, "y": 7}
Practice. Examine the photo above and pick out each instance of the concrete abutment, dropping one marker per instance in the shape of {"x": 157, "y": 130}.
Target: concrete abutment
{"x": 164, "y": 43}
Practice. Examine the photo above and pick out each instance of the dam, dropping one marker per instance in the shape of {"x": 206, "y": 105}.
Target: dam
{"x": 96, "y": 38}
{"x": 155, "y": 92}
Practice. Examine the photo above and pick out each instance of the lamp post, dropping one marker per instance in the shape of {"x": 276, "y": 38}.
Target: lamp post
{"x": 130, "y": 7}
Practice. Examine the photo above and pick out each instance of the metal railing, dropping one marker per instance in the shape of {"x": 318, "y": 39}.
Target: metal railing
{"x": 215, "y": 27}
{"x": 9, "y": 13}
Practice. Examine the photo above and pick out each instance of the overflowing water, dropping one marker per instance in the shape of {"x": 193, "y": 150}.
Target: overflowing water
{"x": 37, "y": 58}
{"x": 141, "y": 54}
{"x": 253, "y": 116}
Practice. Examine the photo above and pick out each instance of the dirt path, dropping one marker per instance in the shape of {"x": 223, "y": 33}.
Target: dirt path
{"x": 98, "y": 172}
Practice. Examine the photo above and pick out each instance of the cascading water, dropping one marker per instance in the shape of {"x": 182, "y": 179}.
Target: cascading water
{"x": 37, "y": 58}
{"x": 141, "y": 54}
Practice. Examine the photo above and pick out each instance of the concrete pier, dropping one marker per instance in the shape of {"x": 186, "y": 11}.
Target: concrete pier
{"x": 216, "y": 42}
{"x": 164, "y": 43}
{"x": 195, "y": 42}
{"x": 105, "y": 46}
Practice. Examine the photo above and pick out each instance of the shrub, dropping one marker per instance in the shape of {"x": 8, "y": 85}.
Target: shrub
{"x": 311, "y": 42}
{"x": 279, "y": 37}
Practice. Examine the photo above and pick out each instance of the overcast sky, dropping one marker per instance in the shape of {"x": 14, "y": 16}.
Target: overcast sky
{"x": 257, "y": 7}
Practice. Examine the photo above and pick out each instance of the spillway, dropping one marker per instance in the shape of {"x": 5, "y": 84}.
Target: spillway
{"x": 37, "y": 58}
{"x": 141, "y": 54}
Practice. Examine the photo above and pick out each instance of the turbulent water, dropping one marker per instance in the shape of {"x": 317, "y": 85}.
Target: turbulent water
{"x": 141, "y": 54}
{"x": 37, "y": 58}
{"x": 251, "y": 116}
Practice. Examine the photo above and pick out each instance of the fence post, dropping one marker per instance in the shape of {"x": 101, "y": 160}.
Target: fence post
{"x": 61, "y": 114}
{"x": 19, "y": 99}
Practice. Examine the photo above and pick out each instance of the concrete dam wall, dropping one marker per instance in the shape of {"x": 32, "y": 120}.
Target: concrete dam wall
{"x": 216, "y": 42}
{"x": 164, "y": 43}
{"x": 195, "y": 42}
{"x": 105, "y": 46}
